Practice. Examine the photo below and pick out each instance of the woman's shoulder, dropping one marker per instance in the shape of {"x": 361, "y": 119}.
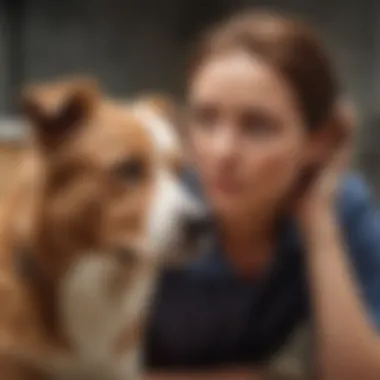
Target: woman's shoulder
{"x": 355, "y": 196}
{"x": 361, "y": 222}
{"x": 355, "y": 187}
{"x": 360, "y": 219}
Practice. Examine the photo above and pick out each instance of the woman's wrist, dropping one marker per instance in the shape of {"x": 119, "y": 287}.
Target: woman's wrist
{"x": 320, "y": 228}
{"x": 315, "y": 216}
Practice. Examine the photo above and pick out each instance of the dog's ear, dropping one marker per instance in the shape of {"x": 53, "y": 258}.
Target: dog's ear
{"x": 171, "y": 112}
{"x": 56, "y": 110}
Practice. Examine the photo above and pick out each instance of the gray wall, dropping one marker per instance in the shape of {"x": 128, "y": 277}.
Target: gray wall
{"x": 140, "y": 45}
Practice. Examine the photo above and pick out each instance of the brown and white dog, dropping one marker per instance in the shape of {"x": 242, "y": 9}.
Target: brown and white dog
{"x": 96, "y": 211}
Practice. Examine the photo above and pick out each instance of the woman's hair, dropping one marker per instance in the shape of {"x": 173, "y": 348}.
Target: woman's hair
{"x": 290, "y": 47}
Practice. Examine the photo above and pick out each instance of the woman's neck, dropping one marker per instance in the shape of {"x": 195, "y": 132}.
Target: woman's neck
{"x": 249, "y": 242}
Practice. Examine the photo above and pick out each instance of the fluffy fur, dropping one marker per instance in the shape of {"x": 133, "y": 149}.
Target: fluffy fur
{"x": 93, "y": 215}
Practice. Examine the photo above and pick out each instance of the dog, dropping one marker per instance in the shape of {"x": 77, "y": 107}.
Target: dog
{"x": 97, "y": 210}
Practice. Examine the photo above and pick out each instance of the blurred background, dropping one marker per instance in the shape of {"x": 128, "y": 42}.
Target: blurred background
{"x": 133, "y": 46}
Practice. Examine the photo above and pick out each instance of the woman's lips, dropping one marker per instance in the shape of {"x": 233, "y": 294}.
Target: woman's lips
{"x": 225, "y": 185}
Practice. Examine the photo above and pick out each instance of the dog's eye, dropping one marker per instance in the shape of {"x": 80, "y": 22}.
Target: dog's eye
{"x": 126, "y": 255}
{"x": 131, "y": 171}
{"x": 25, "y": 262}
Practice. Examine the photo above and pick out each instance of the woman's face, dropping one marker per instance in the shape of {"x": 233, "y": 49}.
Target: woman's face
{"x": 246, "y": 132}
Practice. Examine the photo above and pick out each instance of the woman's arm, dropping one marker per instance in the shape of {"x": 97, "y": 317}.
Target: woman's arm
{"x": 347, "y": 344}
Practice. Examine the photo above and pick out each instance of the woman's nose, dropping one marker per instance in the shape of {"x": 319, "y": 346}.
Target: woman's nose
{"x": 224, "y": 144}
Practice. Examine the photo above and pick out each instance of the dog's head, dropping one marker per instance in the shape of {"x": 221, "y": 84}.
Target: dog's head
{"x": 106, "y": 181}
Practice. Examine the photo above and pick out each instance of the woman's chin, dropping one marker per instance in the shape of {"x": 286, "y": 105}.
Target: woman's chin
{"x": 229, "y": 207}
{"x": 240, "y": 207}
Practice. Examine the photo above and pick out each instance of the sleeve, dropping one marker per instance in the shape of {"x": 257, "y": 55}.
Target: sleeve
{"x": 361, "y": 221}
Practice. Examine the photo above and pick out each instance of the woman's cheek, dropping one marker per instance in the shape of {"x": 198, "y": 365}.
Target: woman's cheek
{"x": 198, "y": 151}
{"x": 275, "y": 175}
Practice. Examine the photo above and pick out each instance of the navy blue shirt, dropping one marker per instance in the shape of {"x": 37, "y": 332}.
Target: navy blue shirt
{"x": 205, "y": 315}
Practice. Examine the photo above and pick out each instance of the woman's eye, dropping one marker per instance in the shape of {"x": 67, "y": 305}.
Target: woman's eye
{"x": 204, "y": 116}
{"x": 131, "y": 171}
{"x": 257, "y": 125}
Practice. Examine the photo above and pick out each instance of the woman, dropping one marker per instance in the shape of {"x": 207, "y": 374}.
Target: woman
{"x": 295, "y": 236}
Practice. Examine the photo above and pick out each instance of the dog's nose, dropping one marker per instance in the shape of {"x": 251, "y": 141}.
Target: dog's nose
{"x": 198, "y": 225}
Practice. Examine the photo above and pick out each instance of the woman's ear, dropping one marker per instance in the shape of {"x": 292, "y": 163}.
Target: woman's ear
{"x": 338, "y": 130}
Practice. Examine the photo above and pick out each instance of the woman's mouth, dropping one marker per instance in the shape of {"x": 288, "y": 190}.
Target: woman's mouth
{"x": 225, "y": 185}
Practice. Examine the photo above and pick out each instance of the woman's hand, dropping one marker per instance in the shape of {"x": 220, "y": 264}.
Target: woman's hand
{"x": 319, "y": 197}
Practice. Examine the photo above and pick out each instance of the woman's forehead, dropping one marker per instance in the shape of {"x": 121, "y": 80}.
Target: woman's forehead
{"x": 240, "y": 78}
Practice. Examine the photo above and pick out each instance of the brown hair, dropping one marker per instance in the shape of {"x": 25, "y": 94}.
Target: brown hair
{"x": 290, "y": 46}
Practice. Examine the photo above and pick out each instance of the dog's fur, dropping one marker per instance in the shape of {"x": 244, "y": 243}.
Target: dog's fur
{"x": 94, "y": 213}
